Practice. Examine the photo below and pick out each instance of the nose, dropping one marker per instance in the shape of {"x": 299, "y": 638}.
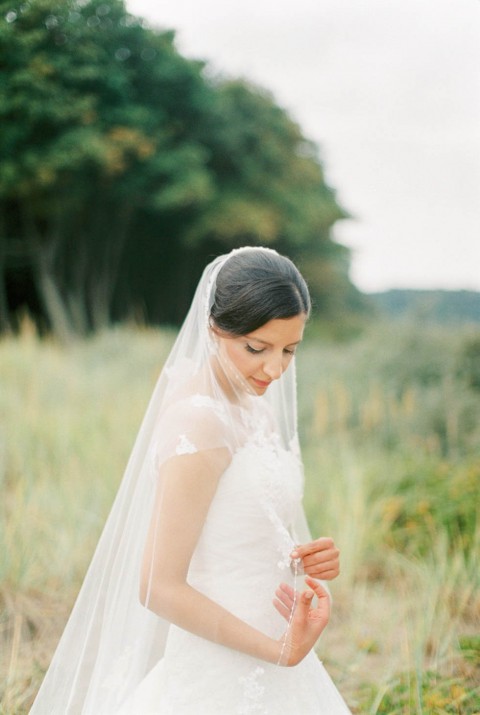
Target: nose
{"x": 273, "y": 367}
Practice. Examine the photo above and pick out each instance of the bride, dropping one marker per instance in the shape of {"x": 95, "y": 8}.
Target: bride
{"x": 195, "y": 600}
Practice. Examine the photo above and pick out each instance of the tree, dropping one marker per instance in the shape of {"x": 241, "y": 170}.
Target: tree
{"x": 92, "y": 129}
{"x": 124, "y": 169}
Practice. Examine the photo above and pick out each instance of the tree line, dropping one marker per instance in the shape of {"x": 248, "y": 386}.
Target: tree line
{"x": 441, "y": 307}
{"x": 125, "y": 167}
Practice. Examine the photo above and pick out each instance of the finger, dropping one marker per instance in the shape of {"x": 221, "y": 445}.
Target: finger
{"x": 321, "y": 613}
{"x": 284, "y": 598}
{"x": 304, "y": 605}
{"x": 317, "y": 588}
{"x": 324, "y": 542}
{"x": 321, "y": 557}
{"x": 323, "y": 575}
{"x": 287, "y": 596}
{"x": 282, "y": 609}
{"x": 322, "y": 565}
{"x": 314, "y": 570}
{"x": 286, "y": 588}
{"x": 312, "y": 562}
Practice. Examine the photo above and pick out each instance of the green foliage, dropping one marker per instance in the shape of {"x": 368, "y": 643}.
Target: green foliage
{"x": 256, "y": 142}
{"x": 426, "y": 692}
{"x": 407, "y": 400}
{"x": 441, "y": 307}
{"x": 469, "y": 362}
{"x": 124, "y": 169}
{"x": 433, "y": 496}
{"x": 470, "y": 647}
{"x": 77, "y": 107}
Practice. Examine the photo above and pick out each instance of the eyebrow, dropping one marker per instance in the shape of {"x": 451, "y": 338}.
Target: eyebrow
{"x": 264, "y": 342}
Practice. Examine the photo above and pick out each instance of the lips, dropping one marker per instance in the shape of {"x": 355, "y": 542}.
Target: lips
{"x": 260, "y": 383}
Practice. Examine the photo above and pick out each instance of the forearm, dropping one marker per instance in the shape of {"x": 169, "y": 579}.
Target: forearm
{"x": 194, "y": 612}
{"x": 178, "y": 518}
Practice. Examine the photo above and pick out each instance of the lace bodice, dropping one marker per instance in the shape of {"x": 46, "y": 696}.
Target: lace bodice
{"x": 248, "y": 535}
{"x": 242, "y": 556}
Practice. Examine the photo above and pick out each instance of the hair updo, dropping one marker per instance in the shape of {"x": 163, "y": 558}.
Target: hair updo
{"x": 255, "y": 286}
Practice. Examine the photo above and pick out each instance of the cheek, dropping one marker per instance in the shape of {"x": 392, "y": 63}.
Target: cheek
{"x": 286, "y": 362}
{"x": 238, "y": 357}
{"x": 246, "y": 364}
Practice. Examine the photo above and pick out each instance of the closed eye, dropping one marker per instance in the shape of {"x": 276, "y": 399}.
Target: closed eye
{"x": 255, "y": 351}
{"x": 252, "y": 350}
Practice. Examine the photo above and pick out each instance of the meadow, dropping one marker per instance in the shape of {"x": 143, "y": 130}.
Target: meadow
{"x": 390, "y": 428}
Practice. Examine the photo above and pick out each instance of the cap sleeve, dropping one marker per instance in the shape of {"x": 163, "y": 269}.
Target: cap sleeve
{"x": 192, "y": 425}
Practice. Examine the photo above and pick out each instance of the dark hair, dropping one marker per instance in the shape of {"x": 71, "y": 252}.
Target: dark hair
{"x": 256, "y": 286}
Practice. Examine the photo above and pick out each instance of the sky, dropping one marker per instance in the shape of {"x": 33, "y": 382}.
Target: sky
{"x": 390, "y": 91}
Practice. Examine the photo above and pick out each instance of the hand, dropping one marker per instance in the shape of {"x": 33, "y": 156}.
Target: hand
{"x": 307, "y": 622}
{"x": 320, "y": 558}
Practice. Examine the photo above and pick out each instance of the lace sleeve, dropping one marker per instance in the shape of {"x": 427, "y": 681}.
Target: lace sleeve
{"x": 191, "y": 425}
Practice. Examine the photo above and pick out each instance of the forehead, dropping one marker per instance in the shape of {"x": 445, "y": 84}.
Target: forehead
{"x": 280, "y": 330}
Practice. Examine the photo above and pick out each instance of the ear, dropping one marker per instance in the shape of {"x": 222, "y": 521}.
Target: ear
{"x": 215, "y": 335}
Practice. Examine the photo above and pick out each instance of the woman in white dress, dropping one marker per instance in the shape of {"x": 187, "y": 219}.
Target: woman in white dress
{"x": 202, "y": 597}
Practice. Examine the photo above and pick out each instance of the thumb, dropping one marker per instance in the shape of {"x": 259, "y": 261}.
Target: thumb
{"x": 304, "y": 604}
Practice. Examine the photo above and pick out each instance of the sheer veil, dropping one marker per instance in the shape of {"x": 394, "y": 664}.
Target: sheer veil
{"x": 199, "y": 405}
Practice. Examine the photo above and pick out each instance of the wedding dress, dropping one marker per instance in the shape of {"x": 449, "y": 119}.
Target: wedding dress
{"x": 242, "y": 556}
{"x": 118, "y": 658}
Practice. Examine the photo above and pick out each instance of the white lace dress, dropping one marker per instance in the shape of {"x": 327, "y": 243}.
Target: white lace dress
{"x": 241, "y": 557}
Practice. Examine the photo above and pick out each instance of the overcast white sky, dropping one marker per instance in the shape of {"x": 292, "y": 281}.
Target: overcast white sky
{"x": 390, "y": 90}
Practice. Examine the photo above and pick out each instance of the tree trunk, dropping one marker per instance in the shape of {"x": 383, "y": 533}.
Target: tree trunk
{"x": 104, "y": 285}
{"x": 76, "y": 272}
{"x": 52, "y": 301}
{"x": 43, "y": 262}
{"x": 4, "y": 315}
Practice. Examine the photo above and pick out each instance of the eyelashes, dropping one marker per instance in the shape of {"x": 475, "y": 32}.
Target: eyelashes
{"x": 253, "y": 351}
{"x": 249, "y": 349}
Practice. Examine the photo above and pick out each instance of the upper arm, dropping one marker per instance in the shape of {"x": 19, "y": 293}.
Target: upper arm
{"x": 186, "y": 487}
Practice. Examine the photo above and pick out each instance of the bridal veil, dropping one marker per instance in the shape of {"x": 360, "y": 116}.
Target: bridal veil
{"x": 199, "y": 405}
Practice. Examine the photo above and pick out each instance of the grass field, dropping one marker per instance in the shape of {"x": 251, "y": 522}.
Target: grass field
{"x": 390, "y": 426}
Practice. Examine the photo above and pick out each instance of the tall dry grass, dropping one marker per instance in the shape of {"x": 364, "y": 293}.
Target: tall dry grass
{"x": 391, "y": 443}
{"x": 68, "y": 419}
{"x": 391, "y": 428}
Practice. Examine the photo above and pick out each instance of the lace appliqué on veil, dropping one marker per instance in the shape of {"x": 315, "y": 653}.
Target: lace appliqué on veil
{"x": 252, "y": 694}
{"x": 184, "y": 446}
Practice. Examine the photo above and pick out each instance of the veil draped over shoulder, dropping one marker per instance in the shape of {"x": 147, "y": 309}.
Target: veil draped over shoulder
{"x": 199, "y": 405}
